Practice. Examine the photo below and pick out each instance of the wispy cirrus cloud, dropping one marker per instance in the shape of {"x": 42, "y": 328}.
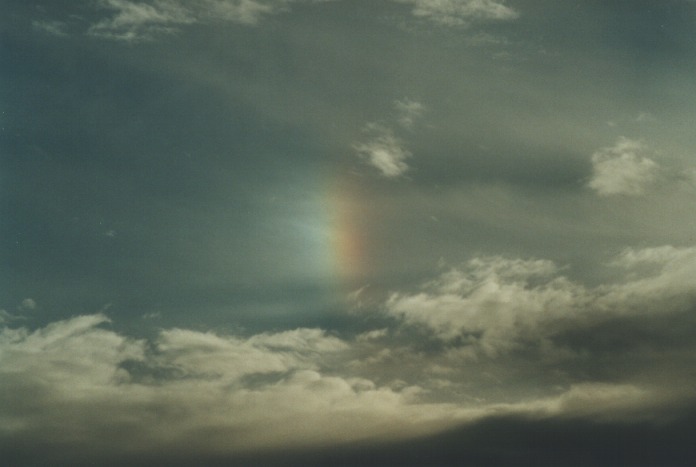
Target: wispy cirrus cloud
{"x": 461, "y": 12}
{"x": 131, "y": 20}
{"x": 140, "y": 20}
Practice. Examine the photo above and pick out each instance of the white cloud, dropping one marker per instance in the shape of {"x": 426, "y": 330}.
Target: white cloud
{"x": 384, "y": 151}
{"x": 461, "y": 12}
{"x": 68, "y": 383}
{"x": 75, "y": 367}
{"x": 409, "y": 111}
{"x": 660, "y": 279}
{"x": 494, "y": 305}
{"x": 139, "y": 20}
{"x": 622, "y": 170}
{"x": 299, "y": 340}
{"x": 230, "y": 358}
{"x": 206, "y": 354}
{"x": 372, "y": 335}
{"x": 65, "y": 358}
{"x": 242, "y": 11}
{"x": 596, "y": 400}
{"x": 132, "y": 20}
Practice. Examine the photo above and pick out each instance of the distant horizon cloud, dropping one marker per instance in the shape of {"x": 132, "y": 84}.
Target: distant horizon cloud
{"x": 230, "y": 395}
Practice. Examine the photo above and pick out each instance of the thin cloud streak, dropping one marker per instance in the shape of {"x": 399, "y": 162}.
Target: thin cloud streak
{"x": 461, "y": 12}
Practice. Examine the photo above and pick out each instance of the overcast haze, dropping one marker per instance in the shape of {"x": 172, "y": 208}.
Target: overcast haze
{"x": 345, "y": 232}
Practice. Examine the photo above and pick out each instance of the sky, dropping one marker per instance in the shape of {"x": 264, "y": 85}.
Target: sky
{"x": 347, "y": 232}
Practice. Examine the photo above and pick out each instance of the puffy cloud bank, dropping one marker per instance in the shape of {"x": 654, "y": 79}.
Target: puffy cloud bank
{"x": 76, "y": 384}
{"x": 72, "y": 381}
{"x": 496, "y": 304}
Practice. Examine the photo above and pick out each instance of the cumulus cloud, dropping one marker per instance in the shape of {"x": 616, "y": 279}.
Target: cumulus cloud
{"x": 193, "y": 389}
{"x": 494, "y": 305}
{"x": 622, "y": 169}
{"x": 660, "y": 279}
{"x": 384, "y": 151}
{"x": 70, "y": 382}
{"x": 461, "y": 12}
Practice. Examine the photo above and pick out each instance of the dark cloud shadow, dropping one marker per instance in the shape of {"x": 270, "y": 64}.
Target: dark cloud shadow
{"x": 507, "y": 441}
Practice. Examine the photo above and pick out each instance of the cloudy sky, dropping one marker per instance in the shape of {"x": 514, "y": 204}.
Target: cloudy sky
{"x": 347, "y": 232}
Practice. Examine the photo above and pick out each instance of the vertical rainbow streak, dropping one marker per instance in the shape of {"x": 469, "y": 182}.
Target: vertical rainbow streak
{"x": 348, "y": 218}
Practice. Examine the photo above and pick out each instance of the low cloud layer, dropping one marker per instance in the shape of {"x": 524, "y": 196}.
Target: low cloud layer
{"x": 68, "y": 382}
{"x": 207, "y": 392}
{"x": 223, "y": 394}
